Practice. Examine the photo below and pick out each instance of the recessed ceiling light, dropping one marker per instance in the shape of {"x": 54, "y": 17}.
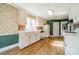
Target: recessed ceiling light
{"x": 50, "y": 12}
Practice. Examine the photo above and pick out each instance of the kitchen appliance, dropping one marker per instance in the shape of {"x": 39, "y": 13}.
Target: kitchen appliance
{"x": 70, "y": 25}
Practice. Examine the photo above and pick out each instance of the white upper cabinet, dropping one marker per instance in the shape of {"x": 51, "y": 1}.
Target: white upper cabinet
{"x": 74, "y": 14}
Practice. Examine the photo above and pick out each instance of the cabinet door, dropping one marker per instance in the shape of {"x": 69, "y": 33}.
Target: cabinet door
{"x": 77, "y": 45}
{"x": 70, "y": 45}
{"x": 37, "y": 36}
{"x": 32, "y": 38}
{"x": 23, "y": 41}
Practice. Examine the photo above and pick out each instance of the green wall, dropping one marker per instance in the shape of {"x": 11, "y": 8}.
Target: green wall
{"x": 7, "y": 40}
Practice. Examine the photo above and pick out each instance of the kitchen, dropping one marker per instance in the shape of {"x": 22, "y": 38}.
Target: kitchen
{"x": 67, "y": 26}
{"x": 31, "y": 23}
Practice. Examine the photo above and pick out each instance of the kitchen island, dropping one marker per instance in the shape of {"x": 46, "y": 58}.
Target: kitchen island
{"x": 71, "y": 40}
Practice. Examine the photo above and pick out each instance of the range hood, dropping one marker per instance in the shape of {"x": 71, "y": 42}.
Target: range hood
{"x": 69, "y": 25}
{"x": 70, "y": 21}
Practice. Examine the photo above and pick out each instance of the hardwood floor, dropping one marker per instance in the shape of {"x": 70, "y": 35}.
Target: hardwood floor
{"x": 47, "y": 46}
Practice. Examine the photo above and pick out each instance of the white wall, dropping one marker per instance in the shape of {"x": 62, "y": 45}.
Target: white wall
{"x": 55, "y": 28}
{"x": 23, "y": 13}
{"x": 8, "y": 19}
{"x": 22, "y": 16}
{"x": 41, "y": 21}
{"x": 74, "y": 13}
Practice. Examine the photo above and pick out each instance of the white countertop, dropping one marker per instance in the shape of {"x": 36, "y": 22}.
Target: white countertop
{"x": 28, "y": 32}
{"x": 70, "y": 34}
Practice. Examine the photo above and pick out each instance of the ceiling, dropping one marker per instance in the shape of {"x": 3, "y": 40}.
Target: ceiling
{"x": 61, "y": 10}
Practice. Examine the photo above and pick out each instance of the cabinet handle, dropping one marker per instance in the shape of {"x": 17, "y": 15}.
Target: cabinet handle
{"x": 65, "y": 44}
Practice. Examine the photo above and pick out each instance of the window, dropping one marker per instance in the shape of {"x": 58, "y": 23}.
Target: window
{"x": 33, "y": 24}
{"x": 30, "y": 24}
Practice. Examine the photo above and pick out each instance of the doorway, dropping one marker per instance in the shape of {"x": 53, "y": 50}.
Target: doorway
{"x": 56, "y": 28}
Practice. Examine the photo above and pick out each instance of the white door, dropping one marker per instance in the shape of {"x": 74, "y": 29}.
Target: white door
{"x": 55, "y": 28}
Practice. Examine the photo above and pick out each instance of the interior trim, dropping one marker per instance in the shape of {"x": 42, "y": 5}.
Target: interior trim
{"x": 8, "y": 34}
{"x": 8, "y": 47}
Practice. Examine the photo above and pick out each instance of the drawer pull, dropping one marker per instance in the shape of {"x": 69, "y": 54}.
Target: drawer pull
{"x": 65, "y": 44}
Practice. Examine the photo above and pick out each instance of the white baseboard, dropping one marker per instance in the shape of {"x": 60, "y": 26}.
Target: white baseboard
{"x": 8, "y": 47}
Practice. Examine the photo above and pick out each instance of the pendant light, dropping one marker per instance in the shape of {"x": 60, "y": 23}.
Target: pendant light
{"x": 50, "y": 12}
